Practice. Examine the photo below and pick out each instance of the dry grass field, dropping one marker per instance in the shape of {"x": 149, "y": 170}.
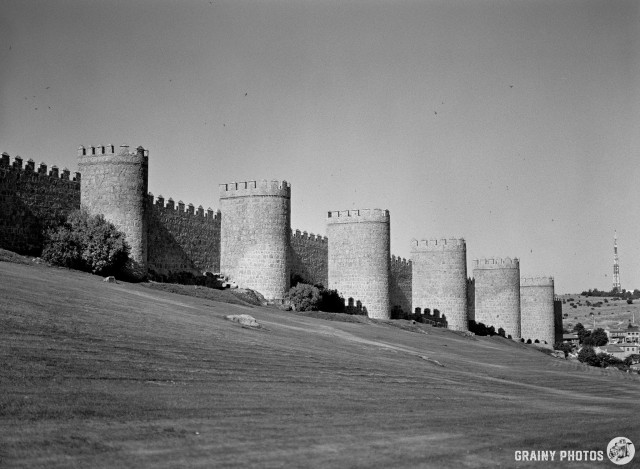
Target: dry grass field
{"x": 97, "y": 374}
{"x": 610, "y": 314}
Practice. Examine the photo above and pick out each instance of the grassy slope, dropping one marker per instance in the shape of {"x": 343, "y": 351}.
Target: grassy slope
{"x": 117, "y": 375}
{"x": 616, "y": 314}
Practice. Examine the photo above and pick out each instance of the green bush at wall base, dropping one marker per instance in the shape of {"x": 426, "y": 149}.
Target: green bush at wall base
{"x": 88, "y": 243}
{"x": 305, "y": 297}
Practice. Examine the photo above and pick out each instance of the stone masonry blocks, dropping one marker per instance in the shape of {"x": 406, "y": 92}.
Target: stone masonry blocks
{"x": 440, "y": 279}
{"x": 537, "y": 309}
{"x": 400, "y": 279}
{"x": 116, "y": 186}
{"x": 308, "y": 257}
{"x": 255, "y": 235}
{"x": 497, "y": 293}
{"x": 33, "y": 200}
{"x": 359, "y": 258}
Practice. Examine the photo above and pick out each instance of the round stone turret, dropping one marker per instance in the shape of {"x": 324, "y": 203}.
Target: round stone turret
{"x": 439, "y": 279}
{"x": 359, "y": 258}
{"x": 116, "y": 185}
{"x": 537, "y": 309}
{"x": 255, "y": 234}
{"x": 497, "y": 293}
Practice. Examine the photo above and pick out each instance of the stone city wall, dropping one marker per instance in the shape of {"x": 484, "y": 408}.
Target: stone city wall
{"x": 440, "y": 279}
{"x": 250, "y": 240}
{"x": 359, "y": 258}
{"x": 116, "y": 186}
{"x": 255, "y": 235}
{"x": 497, "y": 294}
{"x": 400, "y": 282}
{"x": 557, "y": 320}
{"x": 33, "y": 200}
{"x": 471, "y": 299}
{"x": 182, "y": 239}
{"x": 308, "y": 257}
{"x": 537, "y": 309}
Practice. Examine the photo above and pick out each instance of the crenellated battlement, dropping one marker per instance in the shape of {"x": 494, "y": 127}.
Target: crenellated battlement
{"x": 496, "y": 263}
{"x": 358, "y": 216}
{"x": 259, "y": 188}
{"x": 96, "y": 150}
{"x": 99, "y": 150}
{"x": 41, "y": 170}
{"x": 106, "y": 155}
{"x": 180, "y": 210}
{"x": 303, "y": 235}
{"x": 400, "y": 261}
{"x": 33, "y": 198}
{"x": 451, "y": 244}
{"x": 536, "y": 282}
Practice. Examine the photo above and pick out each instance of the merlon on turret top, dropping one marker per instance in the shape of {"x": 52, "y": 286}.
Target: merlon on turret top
{"x": 363, "y": 214}
{"x": 261, "y": 187}
{"x": 496, "y": 263}
{"x": 452, "y": 244}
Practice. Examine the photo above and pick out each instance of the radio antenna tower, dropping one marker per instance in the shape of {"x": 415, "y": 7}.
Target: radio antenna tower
{"x": 616, "y": 266}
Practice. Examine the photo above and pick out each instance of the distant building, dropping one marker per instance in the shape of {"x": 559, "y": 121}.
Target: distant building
{"x": 630, "y": 349}
{"x": 572, "y": 339}
{"x": 620, "y": 351}
{"x": 613, "y": 349}
{"x": 619, "y": 336}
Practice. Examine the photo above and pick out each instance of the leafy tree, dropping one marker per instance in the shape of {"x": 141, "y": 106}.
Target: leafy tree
{"x": 331, "y": 301}
{"x": 631, "y": 359}
{"x": 578, "y": 327}
{"x": 588, "y": 355}
{"x": 63, "y": 247}
{"x": 304, "y": 297}
{"x": 563, "y": 347}
{"x": 583, "y": 335}
{"x": 599, "y": 337}
{"x": 607, "y": 361}
{"x": 501, "y": 332}
{"x": 295, "y": 279}
{"x": 88, "y": 243}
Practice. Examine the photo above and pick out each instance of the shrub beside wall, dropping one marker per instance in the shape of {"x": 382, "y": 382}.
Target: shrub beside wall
{"x": 88, "y": 243}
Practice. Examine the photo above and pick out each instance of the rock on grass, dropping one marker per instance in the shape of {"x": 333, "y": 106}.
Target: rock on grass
{"x": 244, "y": 320}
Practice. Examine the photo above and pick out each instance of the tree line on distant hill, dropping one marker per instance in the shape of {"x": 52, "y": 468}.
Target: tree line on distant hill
{"x": 623, "y": 294}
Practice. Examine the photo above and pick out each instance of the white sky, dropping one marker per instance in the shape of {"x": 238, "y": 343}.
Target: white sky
{"x": 513, "y": 124}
